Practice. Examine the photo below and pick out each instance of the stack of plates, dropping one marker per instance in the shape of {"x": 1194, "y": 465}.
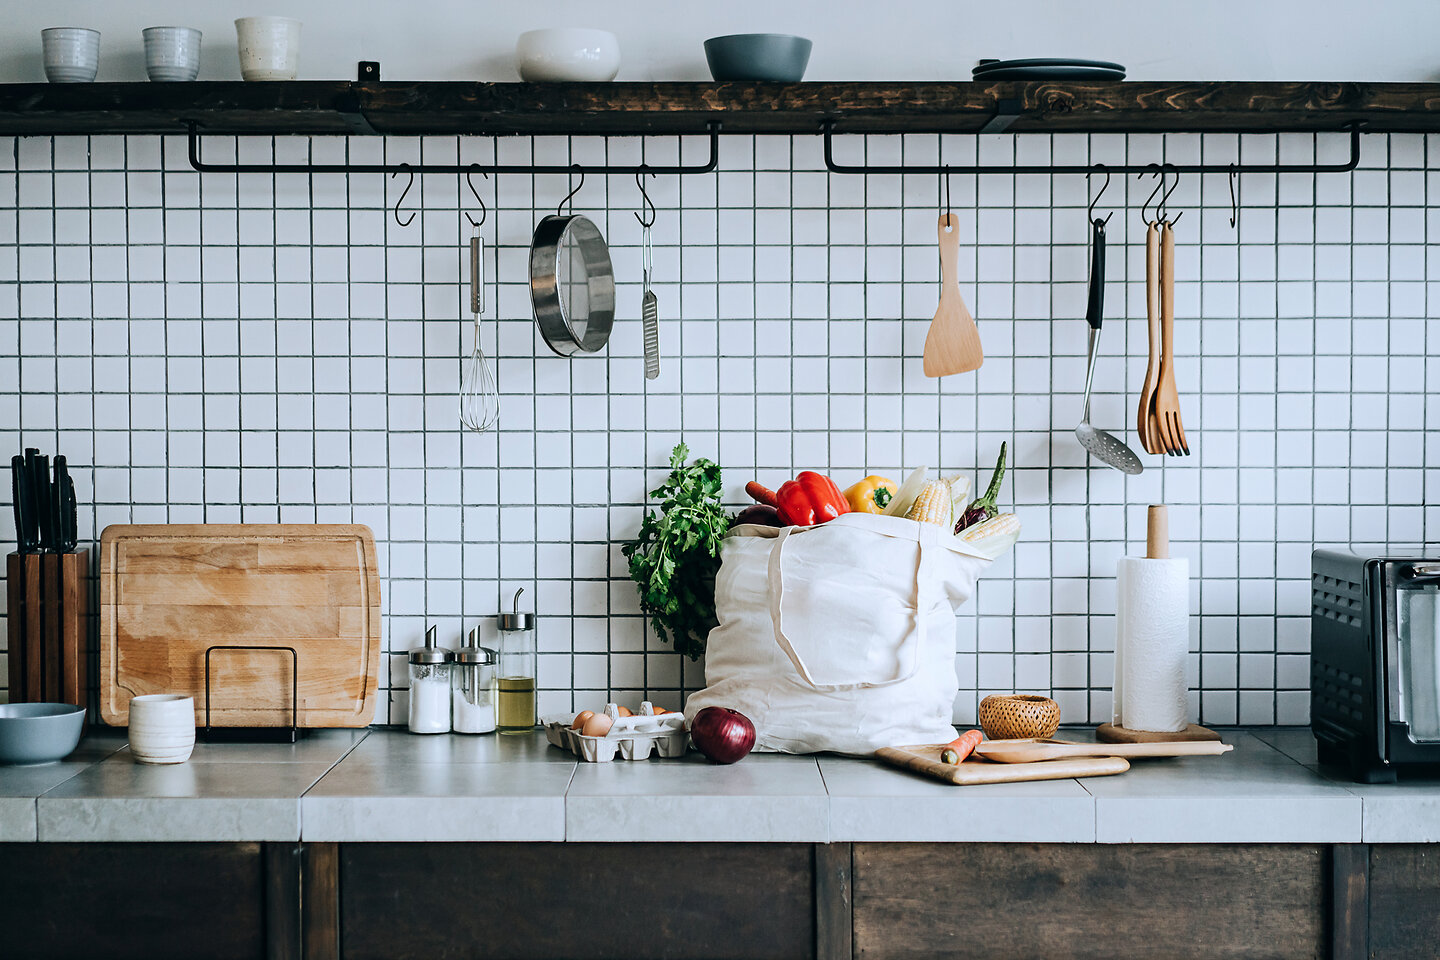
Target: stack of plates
{"x": 1048, "y": 68}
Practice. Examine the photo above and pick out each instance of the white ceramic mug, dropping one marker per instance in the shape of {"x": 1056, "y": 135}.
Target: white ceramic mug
{"x": 72, "y": 54}
{"x": 269, "y": 47}
{"x": 172, "y": 53}
{"x": 162, "y": 728}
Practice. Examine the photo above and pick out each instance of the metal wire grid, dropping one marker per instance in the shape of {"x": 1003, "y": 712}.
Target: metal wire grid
{"x": 484, "y": 559}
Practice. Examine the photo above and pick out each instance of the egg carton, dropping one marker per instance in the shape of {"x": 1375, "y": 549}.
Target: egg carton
{"x": 632, "y": 738}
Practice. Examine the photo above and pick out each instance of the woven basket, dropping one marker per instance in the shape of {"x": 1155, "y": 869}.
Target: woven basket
{"x": 1019, "y": 717}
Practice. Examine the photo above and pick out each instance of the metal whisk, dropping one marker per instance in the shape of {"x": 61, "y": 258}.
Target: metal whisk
{"x": 479, "y": 397}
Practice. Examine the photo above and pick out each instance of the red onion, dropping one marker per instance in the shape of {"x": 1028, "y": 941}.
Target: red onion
{"x": 722, "y": 734}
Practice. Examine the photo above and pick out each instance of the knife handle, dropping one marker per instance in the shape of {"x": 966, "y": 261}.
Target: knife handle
{"x": 18, "y": 490}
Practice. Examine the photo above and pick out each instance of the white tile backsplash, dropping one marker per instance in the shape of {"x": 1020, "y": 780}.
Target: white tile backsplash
{"x": 261, "y": 349}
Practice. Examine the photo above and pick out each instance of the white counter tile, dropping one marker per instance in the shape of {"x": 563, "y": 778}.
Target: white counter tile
{"x": 120, "y": 800}
{"x": 373, "y": 801}
{"x": 21, "y": 785}
{"x": 1253, "y": 795}
{"x": 316, "y": 746}
{"x": 761, "y": 798}
{"x": 401, "y": 746}
{"x": 871, "y": 801}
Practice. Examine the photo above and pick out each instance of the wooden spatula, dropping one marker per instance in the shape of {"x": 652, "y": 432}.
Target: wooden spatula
{"x": 1029, "y": 751}
{"x": 953, "y": 343}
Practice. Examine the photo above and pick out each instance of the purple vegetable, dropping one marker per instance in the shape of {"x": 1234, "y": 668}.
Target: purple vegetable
{"x": 984, "y": 507}
{"x": 758, "y": 513}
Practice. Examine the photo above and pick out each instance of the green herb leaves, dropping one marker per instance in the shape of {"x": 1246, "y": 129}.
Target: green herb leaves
{"x": 674, "y": 558}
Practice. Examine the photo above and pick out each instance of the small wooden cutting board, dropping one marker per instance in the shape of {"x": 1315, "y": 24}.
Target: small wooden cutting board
{"x": 925, "y": 759}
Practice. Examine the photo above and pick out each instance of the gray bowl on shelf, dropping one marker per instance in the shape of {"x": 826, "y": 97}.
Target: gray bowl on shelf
{"x": 33, "y": 733}
{"x": 758, "y": 56}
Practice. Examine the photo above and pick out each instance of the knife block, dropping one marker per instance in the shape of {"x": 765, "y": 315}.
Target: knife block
{"x": 46, "y": 616}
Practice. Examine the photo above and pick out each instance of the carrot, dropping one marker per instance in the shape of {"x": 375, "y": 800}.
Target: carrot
{"x": 762, "y": 494}
{"x": 965, "y": 744}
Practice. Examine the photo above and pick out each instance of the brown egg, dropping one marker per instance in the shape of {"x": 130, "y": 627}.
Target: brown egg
{"x": 597, "y": 726}
{"x": 580, "y": 719}
{"x": 624, "y": 711}
{"x": 659, "y": 710}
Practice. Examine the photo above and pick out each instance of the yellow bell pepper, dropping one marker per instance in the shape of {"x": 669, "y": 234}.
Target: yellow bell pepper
{"x": 871, "y": 495}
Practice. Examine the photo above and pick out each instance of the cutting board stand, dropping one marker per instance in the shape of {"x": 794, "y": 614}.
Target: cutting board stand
{"x": 47, "y": 627}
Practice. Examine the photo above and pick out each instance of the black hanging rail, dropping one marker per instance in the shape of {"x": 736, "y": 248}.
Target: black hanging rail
{"x": 681, "y": 170}
{"x": 1050, "y": 169}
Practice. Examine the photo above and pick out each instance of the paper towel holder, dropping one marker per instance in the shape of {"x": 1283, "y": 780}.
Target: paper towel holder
{"x": 1157, "y": 547}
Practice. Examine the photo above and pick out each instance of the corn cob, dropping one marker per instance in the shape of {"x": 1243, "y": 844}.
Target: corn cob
{"x": 994, "y": 536}
{"x": 933, "y": 504}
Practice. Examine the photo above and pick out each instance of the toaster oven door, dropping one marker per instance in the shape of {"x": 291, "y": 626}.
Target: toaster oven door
{"x": 1412, "y": 633}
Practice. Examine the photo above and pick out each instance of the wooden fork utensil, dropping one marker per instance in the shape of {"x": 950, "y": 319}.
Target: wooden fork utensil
{"x": 1167, "y": 398}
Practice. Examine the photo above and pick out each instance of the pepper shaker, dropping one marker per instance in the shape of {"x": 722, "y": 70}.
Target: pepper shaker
{"x": 473, "y": 685}
{"x": 430, "y": 687}
{"x": 515, "y": 699}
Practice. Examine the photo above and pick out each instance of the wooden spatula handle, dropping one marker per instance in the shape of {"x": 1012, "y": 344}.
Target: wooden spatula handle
{"x": 949, "y": 232}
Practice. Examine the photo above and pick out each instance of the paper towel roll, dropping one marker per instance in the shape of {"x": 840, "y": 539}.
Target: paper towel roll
{"x": 1152, "y": 640}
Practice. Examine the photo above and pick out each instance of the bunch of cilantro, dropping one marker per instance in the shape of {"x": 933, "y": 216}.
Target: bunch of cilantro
{"x": 675, "y": 556}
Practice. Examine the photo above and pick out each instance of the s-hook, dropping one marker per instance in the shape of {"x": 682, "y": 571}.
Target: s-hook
{"x": 1154, "y": 171}
{"x": 645, "y": 200}
{"x": 403, "y": 193}
{"x": 471, "y": 184}
{"x": 1234, "y": 207}
{"x": 1090, "y": 211}
{"x": 574, "y": 168}
{"x": 1163, "y": 210}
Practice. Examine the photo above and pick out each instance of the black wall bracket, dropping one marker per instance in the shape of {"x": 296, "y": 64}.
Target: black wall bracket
{"x": 453, "y": 168}
{"x": 1051, "y": 169}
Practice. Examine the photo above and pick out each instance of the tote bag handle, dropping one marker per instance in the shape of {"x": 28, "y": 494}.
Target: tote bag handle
{"x": 924, "y": 534}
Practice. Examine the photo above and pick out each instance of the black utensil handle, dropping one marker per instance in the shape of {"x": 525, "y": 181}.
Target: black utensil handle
{"x": 1095, "y": 309}
{"x": 18, "y": 493}
{"x": 72, "y": 531}
{"x": 44, "y": 513}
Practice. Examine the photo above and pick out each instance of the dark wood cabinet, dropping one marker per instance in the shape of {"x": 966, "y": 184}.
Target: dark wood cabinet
{"x": 635, "y": 901}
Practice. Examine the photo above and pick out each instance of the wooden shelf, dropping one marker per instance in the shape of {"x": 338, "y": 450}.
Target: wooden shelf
{"x": 440, "y": 108}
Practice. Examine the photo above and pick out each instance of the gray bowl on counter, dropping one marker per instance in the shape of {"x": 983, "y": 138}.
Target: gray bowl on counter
{"x": 758, "y": 56}
{"x": 33, "y": 733}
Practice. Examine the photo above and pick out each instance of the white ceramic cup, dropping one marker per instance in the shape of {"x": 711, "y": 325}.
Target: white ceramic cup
{"x": 269, "y": 47}
{"x": 162, "y": 728}
{"x": 567, "y": 53}
{"x": 172, "y": 53}
{"x": 72, "y": 54}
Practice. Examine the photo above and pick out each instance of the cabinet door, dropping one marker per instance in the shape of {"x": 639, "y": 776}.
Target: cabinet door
{"x": 592, "y": 900}
{"x": 1404, "y": 900}
{"x": 1100, "y": 901}
{"x": 143, "y": 900}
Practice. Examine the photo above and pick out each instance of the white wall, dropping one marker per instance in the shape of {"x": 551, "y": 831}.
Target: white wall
{"x": 854, "y": 39}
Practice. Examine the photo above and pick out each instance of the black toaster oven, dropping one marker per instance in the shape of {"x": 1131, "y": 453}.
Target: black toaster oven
{"x": 1375, "y": 660}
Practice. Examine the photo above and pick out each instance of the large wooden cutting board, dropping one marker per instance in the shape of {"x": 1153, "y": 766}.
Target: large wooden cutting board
{"x": 169, "y": 591}
{"x": 925, "y": 759}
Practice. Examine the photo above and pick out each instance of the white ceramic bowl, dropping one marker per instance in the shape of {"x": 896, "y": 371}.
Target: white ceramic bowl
{"x": 269, "y": 47}
{"x": 162, "y": 728}
{"x": 567, "y": 53}
{"x": 72, "y": 54}
{"x": 172, "y": 53}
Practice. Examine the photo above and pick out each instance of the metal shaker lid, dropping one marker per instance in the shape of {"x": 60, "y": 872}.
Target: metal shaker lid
{"x": 517, "y": 620}
{"x": 472, "y": 652}
{"x": 431, "y": 652}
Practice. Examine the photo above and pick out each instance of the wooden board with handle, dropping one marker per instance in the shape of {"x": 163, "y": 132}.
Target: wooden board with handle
{"x": 925, "y": 759}
{"x": 168, "y": 592}
{"x": 1035, "y": 751}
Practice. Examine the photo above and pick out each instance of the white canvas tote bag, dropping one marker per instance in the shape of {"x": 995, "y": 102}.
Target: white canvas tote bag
{"x": 840, "y": 636}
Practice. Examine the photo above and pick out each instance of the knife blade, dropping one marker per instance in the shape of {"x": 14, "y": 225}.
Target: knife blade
{"x": 19, "y": 493}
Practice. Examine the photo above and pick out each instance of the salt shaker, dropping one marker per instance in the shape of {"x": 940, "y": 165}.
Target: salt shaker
{"x": 430, "y": 687}
{"x": 473, "y": 687}
{"x": 515, "y": 681}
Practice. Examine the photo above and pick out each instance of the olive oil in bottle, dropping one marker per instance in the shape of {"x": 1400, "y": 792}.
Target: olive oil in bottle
{"x": 516, "y": 704}
{"x": 515, "y": 684}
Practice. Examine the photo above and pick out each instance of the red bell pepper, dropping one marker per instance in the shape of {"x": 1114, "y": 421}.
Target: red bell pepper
{"x": 809, "y": 499}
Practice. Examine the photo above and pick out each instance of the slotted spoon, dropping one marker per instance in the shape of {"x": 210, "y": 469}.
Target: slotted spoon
{"x": 1101, "y": 445}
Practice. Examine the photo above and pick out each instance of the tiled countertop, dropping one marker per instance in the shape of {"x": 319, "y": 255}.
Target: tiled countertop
{"x": 373, "y": 785}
